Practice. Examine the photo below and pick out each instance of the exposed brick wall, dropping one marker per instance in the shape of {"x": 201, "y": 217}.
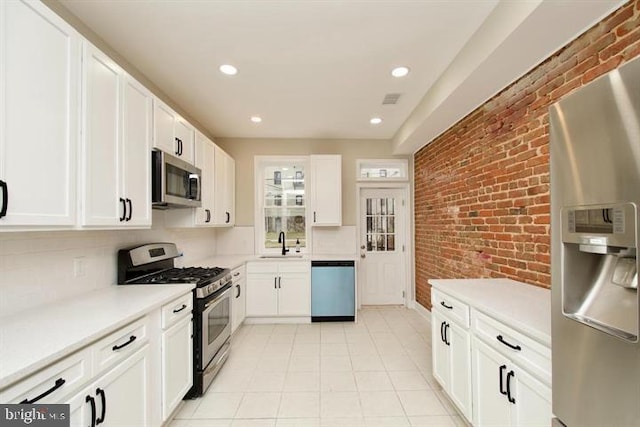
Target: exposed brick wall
{"x": 482, "y": 187}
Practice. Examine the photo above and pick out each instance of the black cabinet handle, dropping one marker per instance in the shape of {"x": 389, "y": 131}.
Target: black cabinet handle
{"x": 59, "y": 382}
{"x": 236, "y": 274}
{"x": 446, "y": 337}
{"x": 279, "y": 282}
{"x": 442, "y": 332}
{"x": 275, "y": 283}
{"x": 124, "y": 209}
{"x": 514, "y": 347}
{"x": 208, "y": 212}
{"x": 314, "y": 216}
{"x": 93, "y": 409}
{"x": 5, "y": 198}
{"x": 509, "y": 376}
{"x": 238, "y": 294}
{"x": 180, "y": 309}
{"x": 177, "y": 146}
{"x": 448, "y": 307}
{"x": 100, "y": 392}
{"x": 130, "y": 209}
{"x": 228, "y": 217}
{"x": 132, "y": 338}
{"x": 501, "y": 373}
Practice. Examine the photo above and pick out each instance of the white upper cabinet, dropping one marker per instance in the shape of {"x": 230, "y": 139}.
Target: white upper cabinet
{"x": 326, "y": 192}
{"x": 225, "y": 184}
{"x": 171, "y": 133}
{"x": 39, "y": 69}
{"x": 115, "y": 175}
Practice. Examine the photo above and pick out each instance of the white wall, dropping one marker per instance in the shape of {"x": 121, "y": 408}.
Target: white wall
{"x": 37, "y": 268}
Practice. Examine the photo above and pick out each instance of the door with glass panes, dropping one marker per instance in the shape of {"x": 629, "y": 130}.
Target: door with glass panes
{"x": 382, "y": 248}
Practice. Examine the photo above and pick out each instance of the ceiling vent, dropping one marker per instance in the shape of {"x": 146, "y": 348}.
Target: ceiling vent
{"x": 391, "y": 99}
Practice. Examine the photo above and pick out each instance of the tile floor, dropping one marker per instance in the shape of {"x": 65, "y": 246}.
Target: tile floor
{"x": 376, "y": 372}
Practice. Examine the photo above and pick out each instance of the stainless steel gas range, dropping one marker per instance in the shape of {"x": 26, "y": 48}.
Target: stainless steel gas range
{"x": 154, "y": 264}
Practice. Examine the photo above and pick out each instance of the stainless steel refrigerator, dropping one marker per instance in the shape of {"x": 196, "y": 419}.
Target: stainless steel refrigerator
{"x": 595, "y": 197}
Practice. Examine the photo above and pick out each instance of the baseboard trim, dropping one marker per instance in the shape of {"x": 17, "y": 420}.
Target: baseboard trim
{"x": 263, "y": 320}
{"x": 422, "y": 310}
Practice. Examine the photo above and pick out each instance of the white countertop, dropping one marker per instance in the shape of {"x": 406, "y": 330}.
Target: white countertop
{"x": 523, "y": 307}
{"x": 234, "y": 261}
{"x": 33, "y": 339}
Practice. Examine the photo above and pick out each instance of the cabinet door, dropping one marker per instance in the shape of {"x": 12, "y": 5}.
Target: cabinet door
{"x": 177, "y": 364}
{"x": 238, "y": 308}
{"x": 439, "y": 350}
{"x": 326, "y": 193}
{"x": 490, "y": 403}
{"x": 294, "y": 294}
{"x": 460, "y": 367}
{"x": 186, "y": 134}
{"x": 121, "y": 396}
{"x": 102, "y": 204}
{"x": 205, "y": 160}
{"x": 137, "y": 110}
{"x": 532, "y": 405}
{"x": 262, "y": 295}
{"x": 39, "y": 115}
{"x": 163, "y": 128}
{"x": 224, "y": 205}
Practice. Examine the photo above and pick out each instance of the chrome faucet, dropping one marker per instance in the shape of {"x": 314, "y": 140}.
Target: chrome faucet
{"x": 281, "y": 239}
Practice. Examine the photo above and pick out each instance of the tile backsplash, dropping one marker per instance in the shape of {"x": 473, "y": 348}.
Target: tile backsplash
{"x": 44, "y": 267}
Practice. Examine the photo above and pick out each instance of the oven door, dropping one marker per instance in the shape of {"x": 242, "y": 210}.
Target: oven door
{"x": 216, "y": 324}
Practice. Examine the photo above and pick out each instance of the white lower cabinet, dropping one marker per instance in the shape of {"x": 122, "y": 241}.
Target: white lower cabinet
{"x": 504, "y": 394}
{"x": 134, "y": 376}
{"x": 497, "y": 376}
{"x": 239, "y": 298}
{"x": 120, "y": 397}
{"x": 451, "y": 356}
{"x": 277, "y": 289}
{"x": 176, "y": 352}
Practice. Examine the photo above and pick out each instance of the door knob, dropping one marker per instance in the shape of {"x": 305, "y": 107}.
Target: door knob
{"x": 362, "y": 247}
{"x": 363, "y": 255}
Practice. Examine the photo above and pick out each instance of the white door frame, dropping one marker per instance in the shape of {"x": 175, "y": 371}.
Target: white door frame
{"x": 408, "y": 265}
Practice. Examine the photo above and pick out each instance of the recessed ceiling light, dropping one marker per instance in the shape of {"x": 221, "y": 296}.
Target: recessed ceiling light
{"x": 229, "y": 70}
{"x": 256, "y": 119}
{"x": 400, "y": 71}
{"x": 375, "y": 121}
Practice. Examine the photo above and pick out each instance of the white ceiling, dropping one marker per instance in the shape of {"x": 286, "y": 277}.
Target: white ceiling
{"x": 309, "y": 68}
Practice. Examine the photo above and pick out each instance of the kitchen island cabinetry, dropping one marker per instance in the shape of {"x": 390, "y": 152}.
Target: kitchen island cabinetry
{"x": 278, "y": 290}
{"x": 326, "y": 192}
{"x": 39, "y": 116}
{"x": 115, "y": 172}
{"x": 500, "y": 371}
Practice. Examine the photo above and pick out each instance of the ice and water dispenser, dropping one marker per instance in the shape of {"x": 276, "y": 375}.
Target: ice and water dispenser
{"x": 600, "y": 268}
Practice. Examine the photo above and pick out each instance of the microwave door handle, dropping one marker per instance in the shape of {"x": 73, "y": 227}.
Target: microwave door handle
{"x": 196, "y": 178}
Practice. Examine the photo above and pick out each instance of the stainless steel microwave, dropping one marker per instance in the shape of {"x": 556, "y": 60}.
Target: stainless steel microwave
{"x": 175, "y": 183}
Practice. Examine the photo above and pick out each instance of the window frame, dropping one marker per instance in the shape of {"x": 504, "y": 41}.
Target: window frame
{"x": 402, "y": 164}
{"x": 260, "y": 164}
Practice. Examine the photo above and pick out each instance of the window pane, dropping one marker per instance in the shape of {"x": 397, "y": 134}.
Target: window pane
{"x": 391, "y": 242}
{"x": 284, "y": 204}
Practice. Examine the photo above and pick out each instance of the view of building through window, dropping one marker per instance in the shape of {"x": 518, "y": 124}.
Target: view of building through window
{"x": 284, "y": 205}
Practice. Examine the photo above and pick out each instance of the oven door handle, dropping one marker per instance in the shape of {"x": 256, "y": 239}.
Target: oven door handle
{"x": 217, "y": 299}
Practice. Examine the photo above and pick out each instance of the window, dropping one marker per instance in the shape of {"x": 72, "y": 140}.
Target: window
{"x": 381, "y": 225}
{"x": 281, "y": 202}
{"x": 382, "y": 170}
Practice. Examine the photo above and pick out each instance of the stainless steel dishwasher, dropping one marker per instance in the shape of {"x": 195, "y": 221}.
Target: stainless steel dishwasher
{"x": 332, "y": 291}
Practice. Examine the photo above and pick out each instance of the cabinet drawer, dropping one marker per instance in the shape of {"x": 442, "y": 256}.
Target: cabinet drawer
{"x": 52, "y": 383}
{"x": 120, "y": 344}
{"x": 295, "y": 267}
{"x": 527, "y": 353}
{"x": 176, "y": 310}
{"x": 451, "y": 307}
{"x": 237, "y": 274}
